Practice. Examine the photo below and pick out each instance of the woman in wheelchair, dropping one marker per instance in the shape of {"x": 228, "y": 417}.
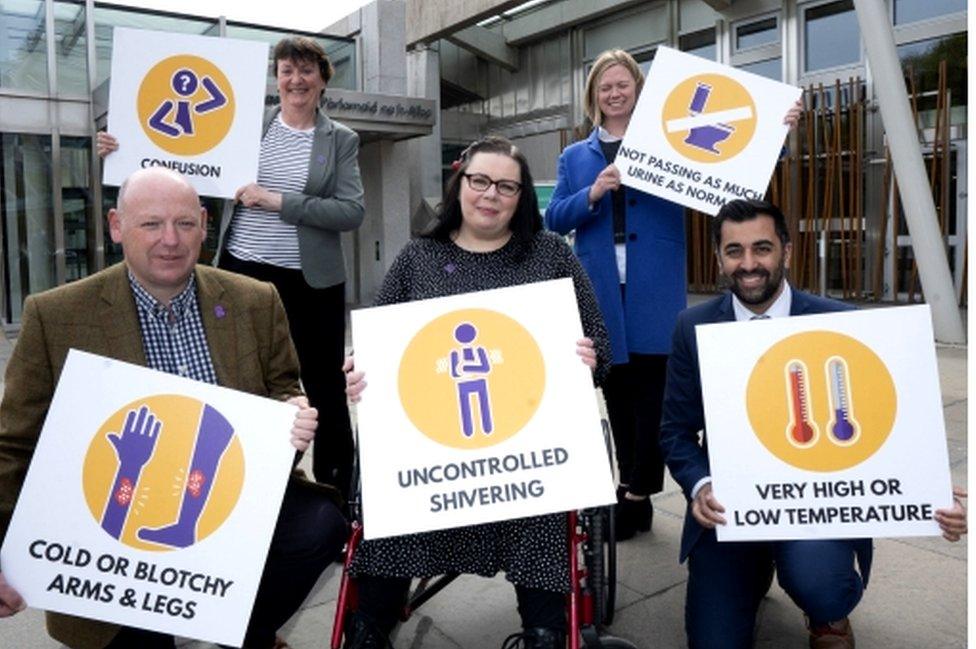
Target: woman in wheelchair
{"x": 489, "y": 235}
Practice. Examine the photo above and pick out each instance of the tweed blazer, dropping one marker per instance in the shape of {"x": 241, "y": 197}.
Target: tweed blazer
{"x": 246, "y": 330}
{"x": 331, "y": 203}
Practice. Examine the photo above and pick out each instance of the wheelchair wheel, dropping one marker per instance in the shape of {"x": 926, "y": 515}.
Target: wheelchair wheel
{"x": 601, "y": 563}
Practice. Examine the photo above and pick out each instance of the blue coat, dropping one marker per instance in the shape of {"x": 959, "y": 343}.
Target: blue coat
{"x": 656, "y": 284}
{"x": 682, "y": 415}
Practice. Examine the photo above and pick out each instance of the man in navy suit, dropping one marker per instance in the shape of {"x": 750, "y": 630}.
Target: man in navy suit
{"x": 726, "y": 581}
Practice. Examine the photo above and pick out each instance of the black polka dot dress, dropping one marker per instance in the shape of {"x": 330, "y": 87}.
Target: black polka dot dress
{"x": 531, "y": 551}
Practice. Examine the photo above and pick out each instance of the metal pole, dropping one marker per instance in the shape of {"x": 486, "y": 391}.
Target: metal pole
{"x": 923, "y": 225}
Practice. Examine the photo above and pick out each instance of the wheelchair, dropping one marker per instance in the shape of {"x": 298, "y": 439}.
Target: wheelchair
{"x": 592, "y": 569}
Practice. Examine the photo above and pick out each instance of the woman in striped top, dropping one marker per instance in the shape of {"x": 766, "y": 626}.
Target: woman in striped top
{"x": 284, "y": 228}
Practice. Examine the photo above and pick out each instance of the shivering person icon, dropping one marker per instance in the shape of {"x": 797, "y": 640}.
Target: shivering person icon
{"x": 469, "y": 369}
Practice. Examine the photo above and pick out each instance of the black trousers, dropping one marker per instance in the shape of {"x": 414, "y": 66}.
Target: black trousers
{"x": 317, "y": 318}
{"x": 382, "y": 598}
{"x": 308, "y": 536}
{"x": 634, "y": 392}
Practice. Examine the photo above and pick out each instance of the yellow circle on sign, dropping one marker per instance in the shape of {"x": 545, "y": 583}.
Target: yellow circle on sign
{"x": 821, "y": 401}
{"x": 185, "y": 105}
{"x": 689, "y": 127}
{"x": 471, "y": 378}
{"x": 186, "y": 488}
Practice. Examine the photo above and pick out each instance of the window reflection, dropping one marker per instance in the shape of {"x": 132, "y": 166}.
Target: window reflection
{"x": 770, "y": 68}
{"x": 909, "y": 11}
{"x": 23, "y": 45}
{"x": 71, "y": 48}
{"x": 831, "y": 36}
{"x": 27, "y": 218}
{"x": 761, "y": 32}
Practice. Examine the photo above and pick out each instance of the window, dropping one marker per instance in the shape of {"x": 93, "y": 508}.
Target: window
{"x": 27, "y": 217}
{"x": 23, "y": 45}
{"x": 831, "y": 34}
{"x": 771, "y": 68}
{"x": 699, "y": 43}
{"x": 70, "y": 48}
{"x": 909, "y": 11}
{"x": 106, "y": 20}
{"x": 761, "y": 32}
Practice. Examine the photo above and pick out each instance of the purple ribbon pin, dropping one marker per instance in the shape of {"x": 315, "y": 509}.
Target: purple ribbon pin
{"x": 450, "y": 267}
{"x": 219, "y": 311}
{"x": 320, "y": 159}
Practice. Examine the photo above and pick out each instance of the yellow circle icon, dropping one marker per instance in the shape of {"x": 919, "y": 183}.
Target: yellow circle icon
{"x": 163, "y": 472}
{"x": 471, "y": 378}
{"x": 821, "y": 401}
{"x": 185, "y": 105}
{"x": 709, "y": 118}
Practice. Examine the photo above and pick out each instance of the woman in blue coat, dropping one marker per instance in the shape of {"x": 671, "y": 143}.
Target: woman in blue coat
{"x": 632, "y": 245}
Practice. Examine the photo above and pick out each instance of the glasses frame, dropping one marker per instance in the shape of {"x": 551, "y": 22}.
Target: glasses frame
{"x": 491, "y": 182}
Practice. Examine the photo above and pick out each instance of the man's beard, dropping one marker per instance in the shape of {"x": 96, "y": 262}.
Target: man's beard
{"x": 760, "y": 294}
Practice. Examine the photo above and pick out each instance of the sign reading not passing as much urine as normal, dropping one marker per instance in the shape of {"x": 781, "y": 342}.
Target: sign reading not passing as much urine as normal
{"x": 150, "y": 501}
{"x": 191, "y": 103}
{"x": 703, "y": 134}
{"x": 477, "y": 410}
{"x": 825, "y": 426}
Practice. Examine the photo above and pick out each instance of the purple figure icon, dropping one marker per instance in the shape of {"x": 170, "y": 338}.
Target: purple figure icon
{"x": 133, "y": 447}
{"x": 706, "y": 137}
{"x": 213, "y": 438}
{"x": 470, "y": 369}
{"x": 184, "y": 83}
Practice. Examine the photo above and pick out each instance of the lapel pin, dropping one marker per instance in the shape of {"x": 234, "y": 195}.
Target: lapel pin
{"x": 320, "y": 159}
{"x": 450, "y": 268}
{"x": 219, "y": 311}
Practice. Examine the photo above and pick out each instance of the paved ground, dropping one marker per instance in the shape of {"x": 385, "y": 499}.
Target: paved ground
{"x": 917, "y": 598}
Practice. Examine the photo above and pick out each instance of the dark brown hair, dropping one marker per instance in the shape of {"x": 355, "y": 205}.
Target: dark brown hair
{"x": 303, "y": 48}
{"x": 526, "y": 221}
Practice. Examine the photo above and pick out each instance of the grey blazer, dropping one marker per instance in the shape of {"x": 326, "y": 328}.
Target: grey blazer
{"x": 332, "y": 202}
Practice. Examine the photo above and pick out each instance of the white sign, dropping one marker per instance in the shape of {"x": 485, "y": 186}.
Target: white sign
{"x": 477, "y": 409}
{"x": 825, "y": 426}
{"x": 150, "y": 501}
{"x": 193, "y": 104}
{"x": 703, "y": 133}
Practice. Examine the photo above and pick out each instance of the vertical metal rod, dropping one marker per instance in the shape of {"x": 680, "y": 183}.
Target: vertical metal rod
{"x": 879, "y": 41}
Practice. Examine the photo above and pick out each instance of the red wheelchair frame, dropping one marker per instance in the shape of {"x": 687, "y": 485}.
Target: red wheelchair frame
{"x": 592, "y": 570}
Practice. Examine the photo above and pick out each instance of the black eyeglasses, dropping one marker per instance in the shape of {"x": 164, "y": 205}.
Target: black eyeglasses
{"x": 481, "y": 183}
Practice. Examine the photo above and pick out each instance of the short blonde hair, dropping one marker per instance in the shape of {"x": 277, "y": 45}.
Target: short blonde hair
{"x": 600, "y": 65}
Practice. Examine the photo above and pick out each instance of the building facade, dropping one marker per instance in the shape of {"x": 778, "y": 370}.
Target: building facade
{"x": 519, "y": 69}
{"x": 446, "y": 72}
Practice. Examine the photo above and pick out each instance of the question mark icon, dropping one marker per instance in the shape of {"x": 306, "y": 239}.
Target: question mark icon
{"x": 184, "y": 82}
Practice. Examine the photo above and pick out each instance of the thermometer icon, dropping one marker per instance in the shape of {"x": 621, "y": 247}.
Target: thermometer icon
{"x": 843, "y": 429}
{"x": 801, "y": 431}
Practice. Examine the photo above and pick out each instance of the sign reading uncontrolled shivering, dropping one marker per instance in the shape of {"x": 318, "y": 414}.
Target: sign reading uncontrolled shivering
{"x": 189, "y": 103}
{"x": 825, "y": 426}
{"x": 140, "y": 491}
{"x": 702, "y": 133}
{"x": 477, "y": 409}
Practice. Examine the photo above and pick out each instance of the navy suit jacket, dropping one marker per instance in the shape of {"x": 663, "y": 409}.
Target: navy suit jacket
{"x": 682, "y": 416}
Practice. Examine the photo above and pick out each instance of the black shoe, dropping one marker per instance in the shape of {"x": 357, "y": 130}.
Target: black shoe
{"x": 536, "y": 638}
{"x": 362, "y": 633}
{"x": 632, "y": 516}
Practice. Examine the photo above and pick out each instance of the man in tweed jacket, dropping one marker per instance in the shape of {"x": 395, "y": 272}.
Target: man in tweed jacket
{"x": 161, "y": 227}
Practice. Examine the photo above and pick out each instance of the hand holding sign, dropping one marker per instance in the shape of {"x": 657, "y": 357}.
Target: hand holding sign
{"x": 11, "y": 602}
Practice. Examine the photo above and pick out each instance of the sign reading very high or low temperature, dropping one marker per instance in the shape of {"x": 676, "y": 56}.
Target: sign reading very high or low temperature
{"x": 477, "y": 409}
{"x": 150, "y": 501}
{"x": 825, "y": 426}
{"x": 703, "y": 134}
{"x": 190, "y": 103}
